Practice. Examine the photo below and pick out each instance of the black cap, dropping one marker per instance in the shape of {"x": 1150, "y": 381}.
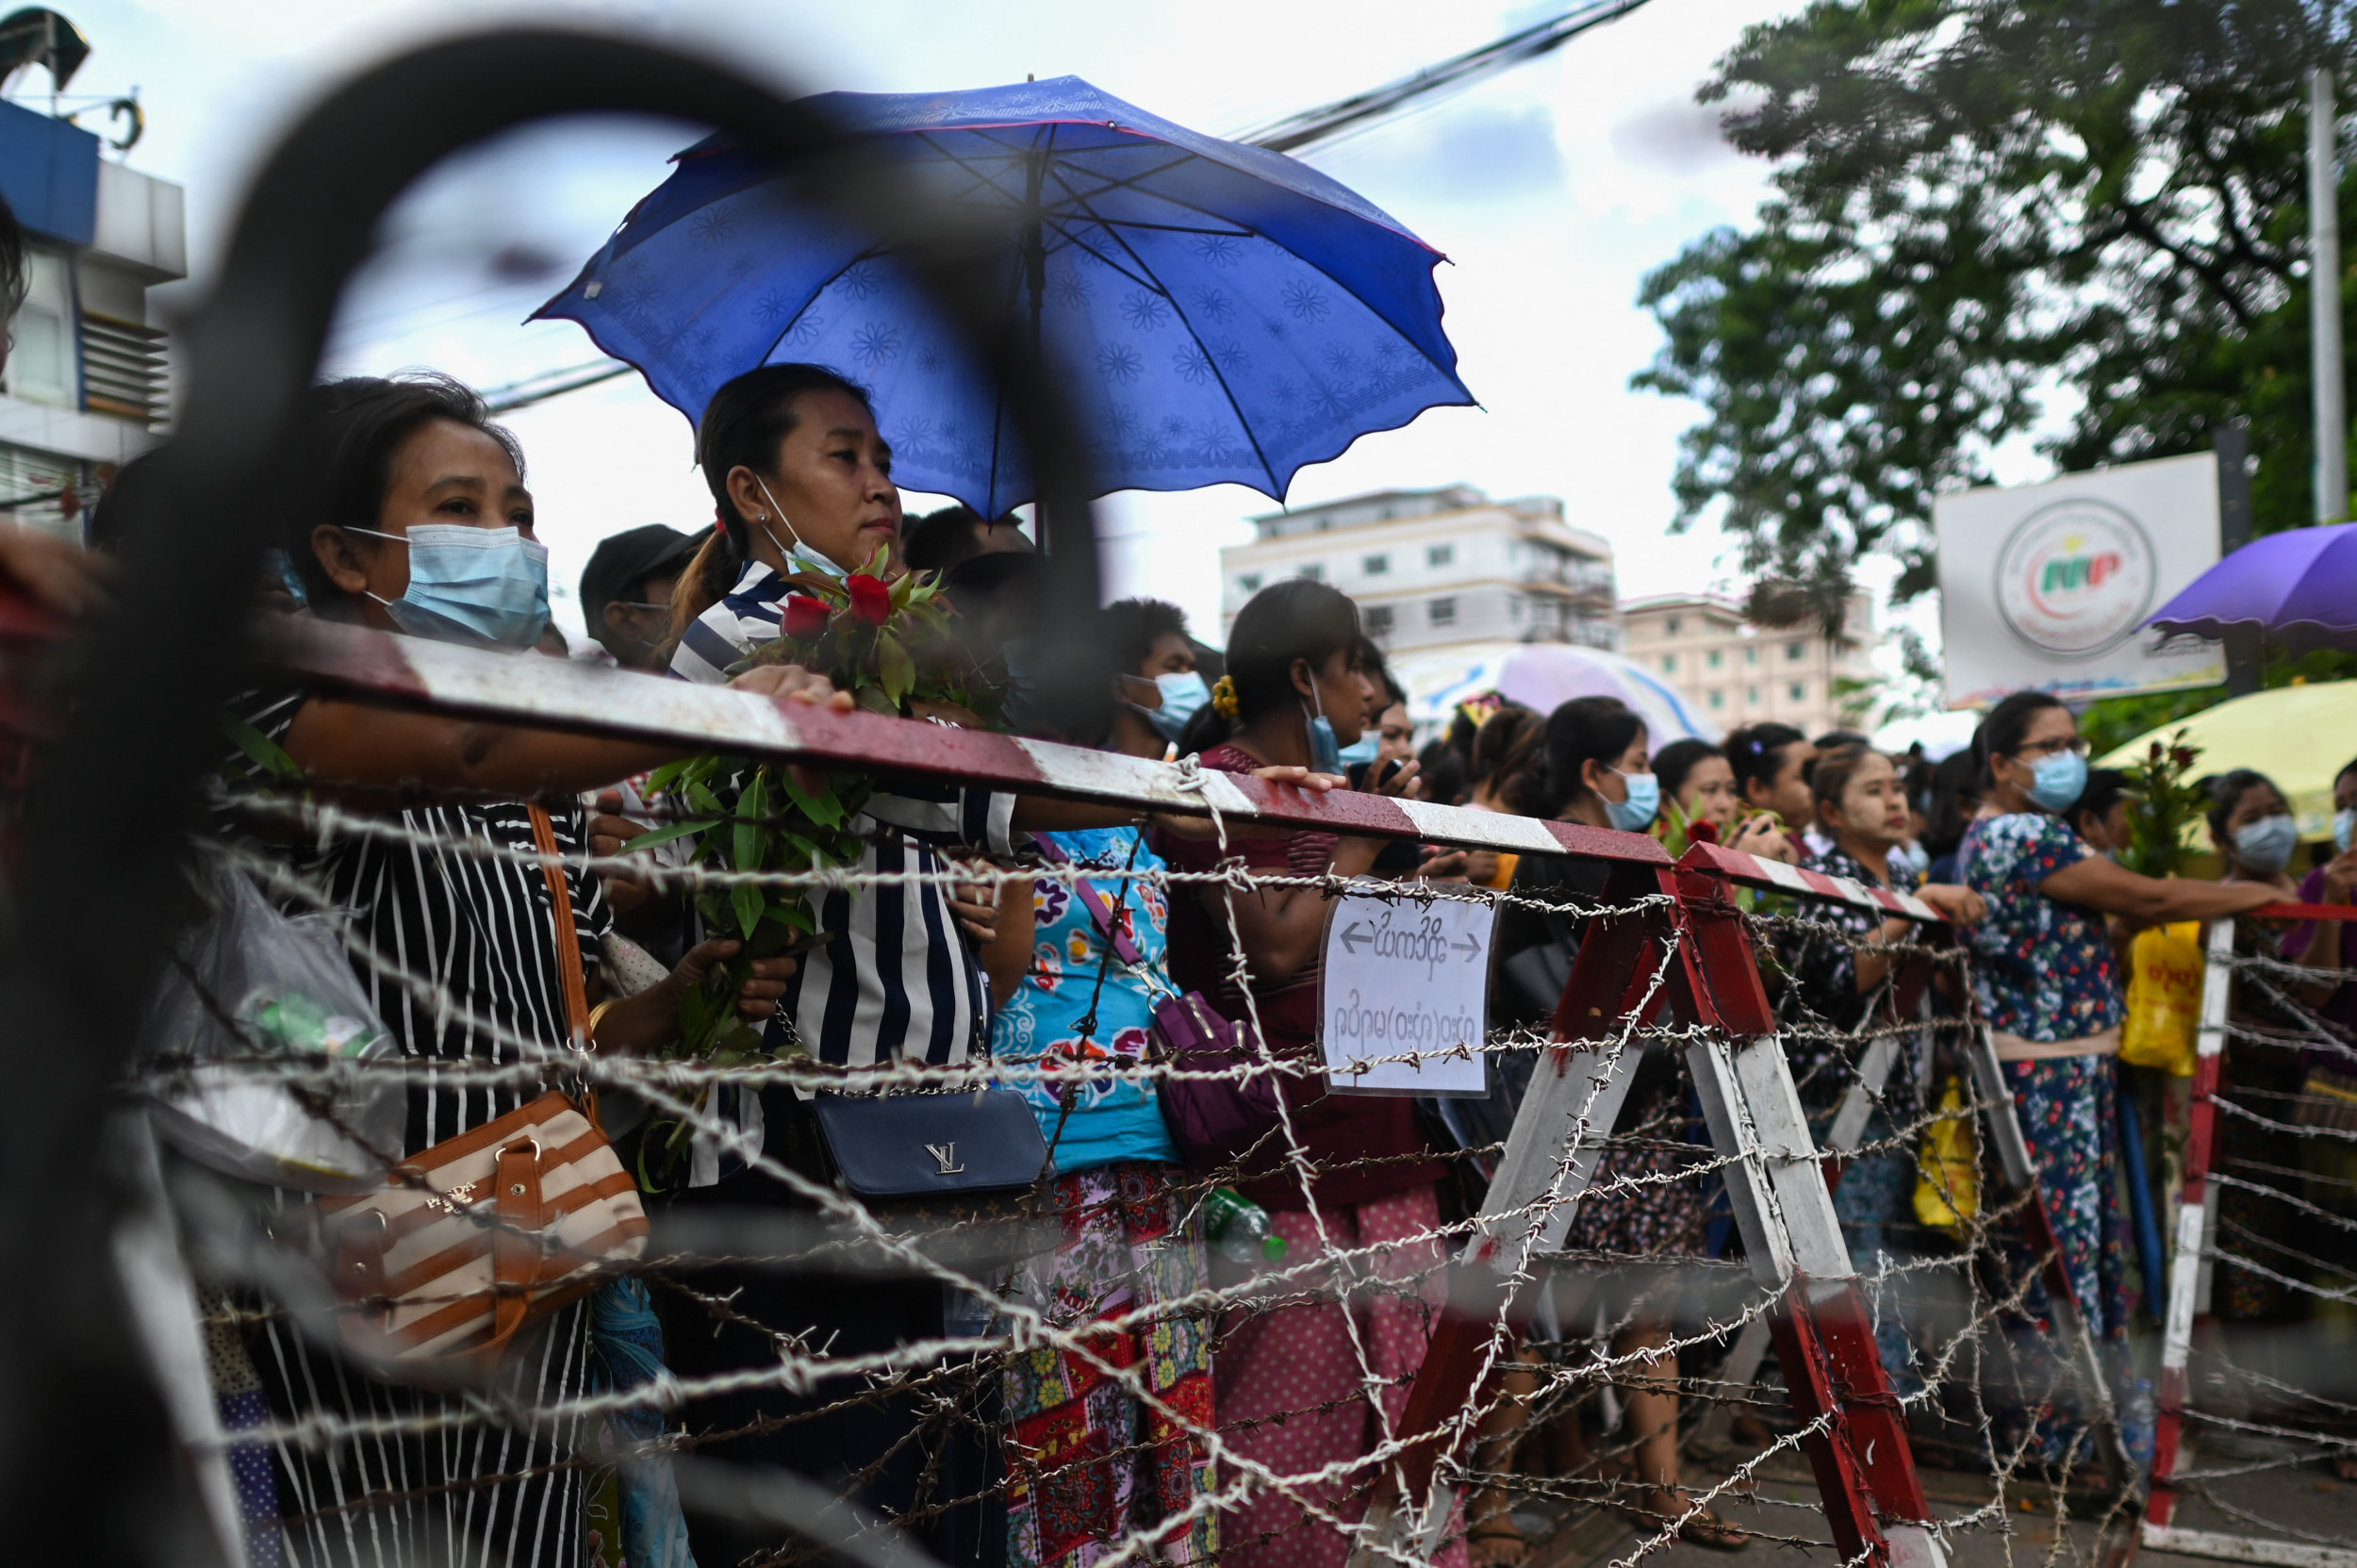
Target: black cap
{"x": 624, "y": 560}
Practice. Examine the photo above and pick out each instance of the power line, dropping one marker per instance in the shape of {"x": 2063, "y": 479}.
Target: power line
{"x": 1364, "y": 110}
{"x": 549, "y": 383}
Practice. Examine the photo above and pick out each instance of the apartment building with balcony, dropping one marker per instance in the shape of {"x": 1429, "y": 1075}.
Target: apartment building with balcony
{"x": 1738, "y": 674}
{"x": 88, "y": 386}
{"x": 1439, "y": 574}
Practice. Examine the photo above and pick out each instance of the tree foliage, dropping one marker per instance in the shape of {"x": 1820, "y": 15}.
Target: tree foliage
{"x": 1983, "y": 206}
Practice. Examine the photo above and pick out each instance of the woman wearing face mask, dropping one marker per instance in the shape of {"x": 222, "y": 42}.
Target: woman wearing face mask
{"x": 1862, "y": 808}
{"x": 2328, "y": 1076}
{"x": 2251, "y": 826}
{"x": 1598, "y": 771}
{"x": 2047, "y": 983}
{"x": 410, "y": 515}
{"x": 1295, "y": 692}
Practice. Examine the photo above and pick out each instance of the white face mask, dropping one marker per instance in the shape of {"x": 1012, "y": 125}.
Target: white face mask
{"x": 801, "y": 554}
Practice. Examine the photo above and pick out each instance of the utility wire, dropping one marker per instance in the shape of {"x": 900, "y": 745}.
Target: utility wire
{"x": 1365, "y": 110}
{"x": 1361, "y": 111}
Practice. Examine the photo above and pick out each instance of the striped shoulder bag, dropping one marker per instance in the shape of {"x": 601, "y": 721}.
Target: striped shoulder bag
{"x": 471, "y": 1242}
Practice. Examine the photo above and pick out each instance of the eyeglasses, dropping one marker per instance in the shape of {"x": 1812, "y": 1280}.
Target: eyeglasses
{"x": 2032, "y": 751}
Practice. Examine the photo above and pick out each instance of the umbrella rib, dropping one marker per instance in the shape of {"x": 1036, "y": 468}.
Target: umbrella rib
{"x": 871, "y": 252}
{"x": 1243, "y": 421}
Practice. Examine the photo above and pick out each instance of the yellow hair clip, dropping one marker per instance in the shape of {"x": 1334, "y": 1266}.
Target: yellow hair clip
{"x": 1223, "y": 698}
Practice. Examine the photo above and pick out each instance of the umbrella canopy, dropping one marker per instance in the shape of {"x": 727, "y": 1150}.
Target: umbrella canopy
{"x": 2298, "y": 736}
{"x": 1544, "y": 675}
{"x": 1218, "y": 313}
{"x": 2297, "y": 589}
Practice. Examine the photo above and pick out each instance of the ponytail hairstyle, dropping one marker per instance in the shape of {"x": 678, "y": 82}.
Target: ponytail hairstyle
{"x": 2001, "y": 732}
{"x": 1296, "y": 618}
{"x": 1756, "y": 752}
{"x": 742, "y": 427}
{"x": 1584, "y": 730}
{"x": 1507, "y": 745}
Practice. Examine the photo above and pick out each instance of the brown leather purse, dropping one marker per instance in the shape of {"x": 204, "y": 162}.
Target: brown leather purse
{"x": 471, "y": 1242}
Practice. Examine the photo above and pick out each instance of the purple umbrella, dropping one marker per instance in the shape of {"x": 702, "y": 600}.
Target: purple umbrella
{"x": 2297, "y": 589}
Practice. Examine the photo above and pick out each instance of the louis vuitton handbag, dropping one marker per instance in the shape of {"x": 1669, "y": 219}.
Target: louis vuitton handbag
{"x": 471, "y": 1242}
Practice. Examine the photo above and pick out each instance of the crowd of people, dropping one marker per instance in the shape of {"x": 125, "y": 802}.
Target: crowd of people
{"x": 413, "y": 517}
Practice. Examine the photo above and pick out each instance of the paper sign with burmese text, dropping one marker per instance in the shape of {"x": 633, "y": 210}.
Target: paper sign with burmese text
{"x": 1405, "y": 996}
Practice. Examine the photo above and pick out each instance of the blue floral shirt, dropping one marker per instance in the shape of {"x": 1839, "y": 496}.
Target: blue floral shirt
{"x": 1109, "y": 1121}
{"x": 2046, "y": 970}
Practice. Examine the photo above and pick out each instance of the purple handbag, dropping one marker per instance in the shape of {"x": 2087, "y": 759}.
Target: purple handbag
{"x": 1211, "y": 1120}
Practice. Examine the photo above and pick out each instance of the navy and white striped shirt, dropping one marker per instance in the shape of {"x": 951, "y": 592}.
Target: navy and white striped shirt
{"x": 896, "y": 978}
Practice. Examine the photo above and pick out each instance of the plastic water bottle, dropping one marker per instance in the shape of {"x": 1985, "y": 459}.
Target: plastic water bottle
{"x": 292, "y": 1022}
{"x": 1240, "y": 1229}
{"x": 2139, "y": 1419}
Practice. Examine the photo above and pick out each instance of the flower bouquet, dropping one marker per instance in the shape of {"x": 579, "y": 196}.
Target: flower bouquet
{"x": 891, "y": 645}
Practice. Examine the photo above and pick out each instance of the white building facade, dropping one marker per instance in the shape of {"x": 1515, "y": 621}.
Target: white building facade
{"x": 1737, "y": 673}
{"x": 88, "y": 381}
{"x": 1439, "y": 573}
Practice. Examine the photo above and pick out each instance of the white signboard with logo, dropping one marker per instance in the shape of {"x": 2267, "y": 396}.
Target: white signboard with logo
{"x": 2046, "y": 586}
{"x": 1405, "y": 996}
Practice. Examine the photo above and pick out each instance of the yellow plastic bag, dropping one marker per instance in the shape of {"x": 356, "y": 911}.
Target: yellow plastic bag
{"x": 2164, "y": 998}
{"x": 1946, "y": 1175}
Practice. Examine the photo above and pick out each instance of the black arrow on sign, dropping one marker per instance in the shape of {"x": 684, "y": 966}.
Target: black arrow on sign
{"x": 1470, "y": 946}
{"x": 1352, "y": 937}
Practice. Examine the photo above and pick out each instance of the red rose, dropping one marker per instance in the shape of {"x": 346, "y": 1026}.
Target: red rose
{"x": 805, "y": 618}
{"x": 871, "y": 600}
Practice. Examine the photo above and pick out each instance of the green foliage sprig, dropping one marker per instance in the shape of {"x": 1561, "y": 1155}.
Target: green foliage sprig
{"x": 892, "y": 645}
{"x": 2163, "y": 806}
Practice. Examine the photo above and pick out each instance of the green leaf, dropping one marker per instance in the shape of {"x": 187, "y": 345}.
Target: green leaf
{"x": 663, "y": 778}
{"x": 821, "y": 808}
{"x": 749, "y": 905}
{"x": 897, "y": 669}
{"x": 752, "y": 807}
{"x": 700, "y": 797}
{"x": 266, "y": 753}
{"x": 673, "y": 831}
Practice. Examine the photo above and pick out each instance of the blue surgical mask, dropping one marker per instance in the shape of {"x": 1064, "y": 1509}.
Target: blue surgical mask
{"x": 2265, "y": 846}
{"x": 1182, "y": 695}
{"x": 1361, "y": 750}
{"x": 482, "y": 587}
{"x": 800, "y": 555}
{"x": 1325, "y": 752}
{"x": 1022, "y": 706}
{"x": 2058, "y": 779}
{"x": 1636, "y": 814}
{"x": 2344, "y": 829}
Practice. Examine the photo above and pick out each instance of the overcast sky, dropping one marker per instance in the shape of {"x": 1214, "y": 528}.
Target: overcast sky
{"x": 1551, "y": 190}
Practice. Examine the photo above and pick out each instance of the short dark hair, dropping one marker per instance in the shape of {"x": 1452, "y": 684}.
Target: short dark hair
{"x": 940, "y": 540}
{"x": 2106, "y": 787}
{"x": 1673, "y": 762}
{"x": 1756, "y": 752}
{"x": 355, "y": 427}
{"x": 2008, "y": 723}
{"x": 1833, "y": 740}
{"x": 1584, "y": 730}
{"x": 1955, "y": 780}
{"x": 1133, "y": 626}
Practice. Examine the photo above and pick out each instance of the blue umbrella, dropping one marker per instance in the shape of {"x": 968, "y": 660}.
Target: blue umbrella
{"x": 1217, "y": 313}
